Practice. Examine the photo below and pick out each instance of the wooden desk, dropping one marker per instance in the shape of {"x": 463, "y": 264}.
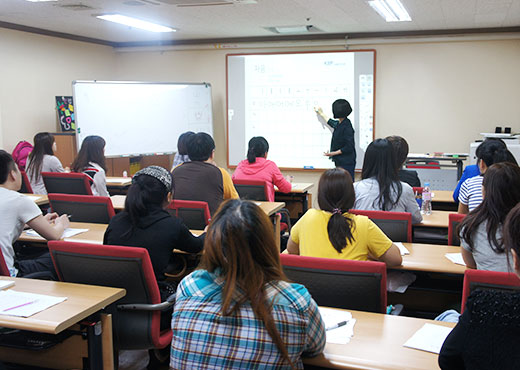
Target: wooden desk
{"x": 93, "y": 235}
{"x": 430, "y": 258}
{"x": 41, "y": 200}
{"x": 120, "y": 182}
{"x": 443, "y": 200}
{"x": 82, "y": 301}
{"x": 378, "y": 344}
{"x": 438, "y": 219}
{"x": 297, "y": 200}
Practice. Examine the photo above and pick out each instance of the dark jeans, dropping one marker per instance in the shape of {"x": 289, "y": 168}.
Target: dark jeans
{"x": 40, "y": 264}
{"x": 348, "y": 167}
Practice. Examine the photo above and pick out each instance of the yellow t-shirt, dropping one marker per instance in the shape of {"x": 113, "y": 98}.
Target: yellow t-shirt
{"x": 310, "y": 232}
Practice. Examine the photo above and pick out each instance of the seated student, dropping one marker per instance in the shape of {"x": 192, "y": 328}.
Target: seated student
{"x": 332, "y": 232}
{"x": 16, "y": 210}
{"x": 400, "y": 154}
{"x": 145, "y": 222}
{"x": 481, "y": 230}
{"x": 380, "y": 188}
{"x": 239, "y": 311}
{"x": 42, "y": 159}
{"x": 91, "y": 161}
{"x": 489, "y": 152}
{"x": 258, "y": 167}
{"x": 201, "y": 179}
{"x": 487, "y": 335}
{"x": 182, "y": 151}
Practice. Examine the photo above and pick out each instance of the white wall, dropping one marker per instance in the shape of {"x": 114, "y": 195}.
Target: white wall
{"x": 33, "y": 70}
{"x": 439, "y": 96}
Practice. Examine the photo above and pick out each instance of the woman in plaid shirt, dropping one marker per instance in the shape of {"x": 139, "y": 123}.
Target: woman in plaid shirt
{"x": 238, "y": 311}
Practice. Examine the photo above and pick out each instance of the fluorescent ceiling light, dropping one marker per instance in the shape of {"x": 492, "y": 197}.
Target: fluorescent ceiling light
{"x": 136, "y": 23}
{"x": 390, "y": 10}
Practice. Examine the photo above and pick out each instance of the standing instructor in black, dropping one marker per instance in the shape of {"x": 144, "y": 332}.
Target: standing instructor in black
{"x": 342, "y": 148}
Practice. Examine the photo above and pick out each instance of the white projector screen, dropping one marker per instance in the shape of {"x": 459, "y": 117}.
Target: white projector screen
{"x": 138, "y": 118}
{"x": 274, "y": 95}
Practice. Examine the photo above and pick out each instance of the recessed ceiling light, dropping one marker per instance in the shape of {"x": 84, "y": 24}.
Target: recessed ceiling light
{"x": 136, "y": 23}
{"x": 390, "y": 10}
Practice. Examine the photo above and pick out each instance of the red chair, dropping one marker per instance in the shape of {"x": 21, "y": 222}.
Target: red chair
{"x": 4, "y": 271}
{"x": 252, "y": 189}
{"x": 136, "y": 321}
{"x": 481, "y": 279}
{"x": 83, "y": 208}
{"x": 396, "y": 225}
{"x": 194, "y": 214}
{"x": 354, "y": 285}
{"x": 26, "y": 184}
{"x": 67, "y": 183}
{"x": 454, "y": 220}
{"x": 417, "y": 190}
{"x": 423, "y": 164}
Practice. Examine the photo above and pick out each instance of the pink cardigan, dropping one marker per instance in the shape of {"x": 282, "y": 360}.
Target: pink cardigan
{"x": 263, "y": 170}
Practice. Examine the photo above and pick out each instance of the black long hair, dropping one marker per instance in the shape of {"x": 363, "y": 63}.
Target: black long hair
{"x": 91, "y": 151}
{"x": 257, "y": 147}
{"x": 43, "y": 142}
{"x": 146, "y": 194}
{"x": 336, "y": 195}
{"x": 379, "y": 162}
{"x": 493, "y": 151}
{"x": 501, "y": 190}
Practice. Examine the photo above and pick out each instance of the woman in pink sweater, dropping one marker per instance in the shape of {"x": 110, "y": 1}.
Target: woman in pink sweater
{"x": 258, "y": 167}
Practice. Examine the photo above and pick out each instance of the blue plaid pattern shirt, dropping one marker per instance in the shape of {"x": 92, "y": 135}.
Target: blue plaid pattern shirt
{"x": 205, "y": 339}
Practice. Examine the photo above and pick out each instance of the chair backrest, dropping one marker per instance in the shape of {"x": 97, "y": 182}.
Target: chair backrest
{"x": 194, "y": 214}
{"x": 129, "y": 268}
{"x": 418, "y": 189}
{"x": 252, "y": 189}
{"x": 4, "y": 271}
{"x": 482, "y": 279}
{"x": 396, "y": 225}
{"x": 26, "y": 184}
{"x": 67, "y": 183}
{"x": 354, "y": 285}
{"x": 83, "y": 208}
{"x": 454, "y": 220}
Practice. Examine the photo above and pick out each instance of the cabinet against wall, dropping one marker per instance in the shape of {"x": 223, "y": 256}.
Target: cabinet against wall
{"x": 67, "y": 151}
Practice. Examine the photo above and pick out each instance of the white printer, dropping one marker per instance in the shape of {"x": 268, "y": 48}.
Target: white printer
{"x": 512, "y": 142}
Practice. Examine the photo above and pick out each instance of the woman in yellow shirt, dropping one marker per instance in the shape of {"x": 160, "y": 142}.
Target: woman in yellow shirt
{"x": 332, "y": 232}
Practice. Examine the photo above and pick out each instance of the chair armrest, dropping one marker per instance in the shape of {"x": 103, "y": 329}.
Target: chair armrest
{"x": 170, "y": 301}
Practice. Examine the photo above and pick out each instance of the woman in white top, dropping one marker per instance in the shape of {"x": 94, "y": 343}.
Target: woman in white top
{"x": 91, "y": 161}
{"x": 380, "y": 188}
{"x": 42, "y": 159}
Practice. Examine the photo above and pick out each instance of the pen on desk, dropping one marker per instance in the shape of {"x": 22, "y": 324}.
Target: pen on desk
{"x": 338, "y": 325}
{"x": 20, "y": 305}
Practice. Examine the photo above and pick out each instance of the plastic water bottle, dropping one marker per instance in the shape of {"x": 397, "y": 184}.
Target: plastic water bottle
{"x": 426, "y": 208}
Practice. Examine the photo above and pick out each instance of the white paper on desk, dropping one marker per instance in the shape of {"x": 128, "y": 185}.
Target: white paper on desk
{"x": 342, "y": 334}
{"x": 429, "y": 338}
{"x": 23, "y": 304}
{"x": 88, "y": 241}
{"x": 34, "y": 198}
{"x": 402, "y": 248}
{"x": 399, "y": 281}
{"x": 4, "y": 284}
{"x": 69, "y": 232}
{"x": 456, "y": 258}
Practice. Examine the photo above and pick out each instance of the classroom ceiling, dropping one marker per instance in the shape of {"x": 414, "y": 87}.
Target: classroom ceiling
{"x": 237, "y": 19}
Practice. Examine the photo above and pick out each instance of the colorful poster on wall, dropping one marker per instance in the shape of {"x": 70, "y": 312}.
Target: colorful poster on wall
{"x": 65, "y": 109}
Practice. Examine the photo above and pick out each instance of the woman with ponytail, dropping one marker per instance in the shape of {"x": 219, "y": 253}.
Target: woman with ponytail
{"x": 238, "y": 311}
{"x": 145, "y": 222}
{"x": 42, "y": 159}
{"x": 258, "y": 167}
{"x": 333, "y": 232}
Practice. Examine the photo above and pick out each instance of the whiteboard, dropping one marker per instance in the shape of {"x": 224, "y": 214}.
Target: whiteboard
{"x": 274, "y": 95}
{"x": 138, "y": 118}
